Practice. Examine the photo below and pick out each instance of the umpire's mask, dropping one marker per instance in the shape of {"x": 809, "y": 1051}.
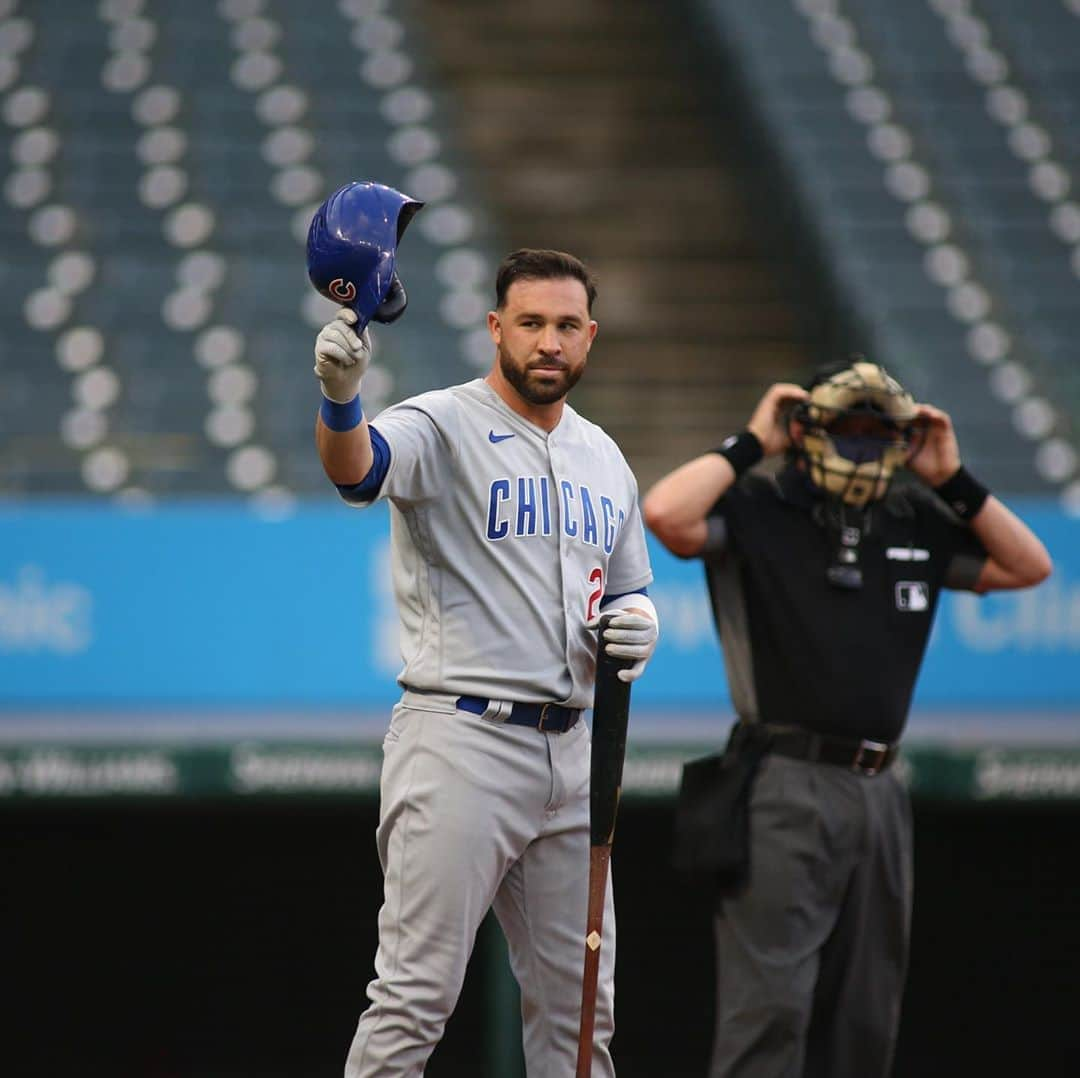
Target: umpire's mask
{"x": 858, "y": 428}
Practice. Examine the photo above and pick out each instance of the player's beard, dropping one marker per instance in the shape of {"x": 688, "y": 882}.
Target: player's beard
{"x": 530, "y": 388}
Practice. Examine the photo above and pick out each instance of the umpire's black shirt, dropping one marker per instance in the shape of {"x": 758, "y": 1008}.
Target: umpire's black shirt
{"x": 797, "y": 648}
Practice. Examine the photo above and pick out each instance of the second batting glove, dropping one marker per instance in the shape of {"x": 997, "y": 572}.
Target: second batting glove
{"x": 341, "y": 357}
{"x": 629, "y": 636}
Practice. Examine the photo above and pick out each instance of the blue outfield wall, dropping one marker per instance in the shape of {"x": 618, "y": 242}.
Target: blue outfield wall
{"x": 207, "y": 606}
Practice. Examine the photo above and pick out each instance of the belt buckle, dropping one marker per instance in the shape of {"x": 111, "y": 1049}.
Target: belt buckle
{"x": 876, "y": 749}
{"x": 543, "y": 716}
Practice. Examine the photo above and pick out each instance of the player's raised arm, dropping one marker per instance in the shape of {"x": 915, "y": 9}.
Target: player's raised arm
{"x": 341, "y": 431}
{"x": 352, "y": 260}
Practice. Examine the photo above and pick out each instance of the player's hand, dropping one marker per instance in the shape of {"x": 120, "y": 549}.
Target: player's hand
{"x": 937, "y": 456}
{"x": 769, "y": 421}
{"x": 629, "y": 636}
{"x": 341, "y": 357}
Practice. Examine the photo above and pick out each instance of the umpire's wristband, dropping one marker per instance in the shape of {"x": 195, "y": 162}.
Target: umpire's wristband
{"x": 340, "y": 417}
{"x": 742, "y": 451}
{"x": 963, "y": 494}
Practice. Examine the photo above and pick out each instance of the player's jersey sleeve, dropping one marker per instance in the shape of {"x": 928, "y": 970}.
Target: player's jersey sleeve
{"x": 421, "y": 434}
{"x": 629, "y": 568}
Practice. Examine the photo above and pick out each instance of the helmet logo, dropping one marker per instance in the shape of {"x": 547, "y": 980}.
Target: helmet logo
{"x": 342, "y": 290}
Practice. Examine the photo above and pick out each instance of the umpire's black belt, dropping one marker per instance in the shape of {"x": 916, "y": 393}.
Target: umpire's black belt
{"x": 861, "y": 755}
{"x": 551, "y": 718}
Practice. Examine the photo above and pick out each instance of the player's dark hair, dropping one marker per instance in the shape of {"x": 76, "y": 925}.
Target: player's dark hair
{"x": 541, "y": 265}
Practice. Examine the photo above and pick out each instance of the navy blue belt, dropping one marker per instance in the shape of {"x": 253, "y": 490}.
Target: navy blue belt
{"x": 551, "y": 718}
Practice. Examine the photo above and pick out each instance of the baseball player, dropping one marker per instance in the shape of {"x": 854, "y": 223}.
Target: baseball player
{"x": 824, "y": 579}
{"x": 513, "y": 523}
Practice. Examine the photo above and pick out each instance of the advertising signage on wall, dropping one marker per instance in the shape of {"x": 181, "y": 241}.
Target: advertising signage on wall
{"x": 195, "y": 607}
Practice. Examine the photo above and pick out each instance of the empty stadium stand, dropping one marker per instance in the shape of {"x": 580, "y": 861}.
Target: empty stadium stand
{"x": 807, "y": 175}
{"x": 929, "y": 146}
{"x": 602, "y": 130}
{"x": 164, "y": 161}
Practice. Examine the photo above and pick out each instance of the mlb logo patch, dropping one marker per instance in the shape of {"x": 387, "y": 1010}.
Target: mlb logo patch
{"x": 912, "y": 595}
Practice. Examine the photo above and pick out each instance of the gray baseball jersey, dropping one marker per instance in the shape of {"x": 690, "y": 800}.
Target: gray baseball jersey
{"x": 504, "y": 539}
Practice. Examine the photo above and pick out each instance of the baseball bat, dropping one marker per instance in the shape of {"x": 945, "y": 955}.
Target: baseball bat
{"x": 611, "y": 714}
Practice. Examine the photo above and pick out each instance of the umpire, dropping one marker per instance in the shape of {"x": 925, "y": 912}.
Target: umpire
{"x": 824, "y": 578}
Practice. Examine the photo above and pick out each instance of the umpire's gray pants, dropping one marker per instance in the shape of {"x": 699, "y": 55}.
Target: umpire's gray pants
{"x": 812, "y": 956}
{"x": 476, "y": 814}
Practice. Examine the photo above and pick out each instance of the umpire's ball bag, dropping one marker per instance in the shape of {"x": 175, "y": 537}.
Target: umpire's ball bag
{"x": 712, "y": 812}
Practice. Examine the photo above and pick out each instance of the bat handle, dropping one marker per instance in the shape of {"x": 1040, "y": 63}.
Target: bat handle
{"x": 599, "y": 858}
{"x": 612, "y": 663}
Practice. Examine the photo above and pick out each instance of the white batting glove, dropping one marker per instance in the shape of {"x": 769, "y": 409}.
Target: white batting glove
{"x": 629, "y": 636}
{"x": 341, "y": 357}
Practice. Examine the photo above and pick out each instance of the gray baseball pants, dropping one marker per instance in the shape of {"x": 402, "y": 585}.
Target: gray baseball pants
{"x": 812, "y": 956}
{"x": 477, "y": 814}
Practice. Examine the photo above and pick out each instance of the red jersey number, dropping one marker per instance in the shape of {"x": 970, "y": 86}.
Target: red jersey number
{"x": 596, "y": 578}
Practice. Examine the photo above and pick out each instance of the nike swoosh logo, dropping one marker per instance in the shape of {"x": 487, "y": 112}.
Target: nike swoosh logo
{"x": 496, "y": 438}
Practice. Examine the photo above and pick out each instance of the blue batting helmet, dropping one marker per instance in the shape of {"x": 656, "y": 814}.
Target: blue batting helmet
{"x": 352, "y": 249}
